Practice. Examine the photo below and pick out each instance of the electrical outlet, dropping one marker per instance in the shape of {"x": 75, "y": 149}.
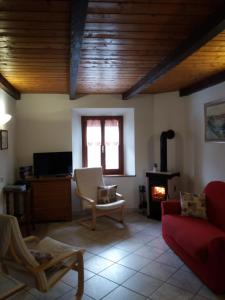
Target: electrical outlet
{"x": 1, "y": 179}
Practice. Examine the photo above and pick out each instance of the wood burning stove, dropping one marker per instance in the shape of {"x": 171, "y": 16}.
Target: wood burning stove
{"x": 162, "y": 185}
{"x": 158, "y": 193}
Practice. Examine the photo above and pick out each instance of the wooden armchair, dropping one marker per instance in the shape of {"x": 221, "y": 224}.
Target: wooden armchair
{"x": 87, "y": 180}
{"x": 18, "y": 261}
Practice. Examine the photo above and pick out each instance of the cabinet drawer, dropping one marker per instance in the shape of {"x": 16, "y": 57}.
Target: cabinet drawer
{"x": 51, "y": 199}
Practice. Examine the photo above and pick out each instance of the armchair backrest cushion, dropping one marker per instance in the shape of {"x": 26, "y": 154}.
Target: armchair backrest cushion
{"x": 15, "y": 240}
{"x": 21, "y": 260}
{"x": 88, "y": 179}
{"x": 215, "y": 200}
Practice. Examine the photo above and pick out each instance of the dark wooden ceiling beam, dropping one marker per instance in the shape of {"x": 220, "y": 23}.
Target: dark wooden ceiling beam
{"x": 9, "y": 88}
{"x": 213, "y": 26}
{"x": 203, "y": 84}
{"x": 78, "y": 18}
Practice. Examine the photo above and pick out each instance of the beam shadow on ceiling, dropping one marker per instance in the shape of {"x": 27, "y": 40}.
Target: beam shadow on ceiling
{"x": 9, "y": 88}
{"x": 203, "y": 84}
{"x": 214, "y": 24}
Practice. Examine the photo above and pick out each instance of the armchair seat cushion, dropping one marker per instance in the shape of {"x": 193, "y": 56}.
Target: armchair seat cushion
{"x": 54, "y": 247}
{"x": 193, "y": 234}
{"x": 111, "y": 205}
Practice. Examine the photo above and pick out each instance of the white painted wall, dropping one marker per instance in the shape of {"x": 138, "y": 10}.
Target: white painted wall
{"x": 7, "y": 157}
{"x": 205, "y": 160}
{"x": 198, "y": 161}
{"x": 45, "y": 122}
{"x": 44, "y": 125}
{"x": 169, "y": 113}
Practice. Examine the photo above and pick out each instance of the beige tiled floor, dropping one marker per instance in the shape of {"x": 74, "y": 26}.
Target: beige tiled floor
{"x": 123, "y": 263}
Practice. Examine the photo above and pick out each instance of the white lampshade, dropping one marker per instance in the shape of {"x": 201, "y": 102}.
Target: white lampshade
{"x": 4, "y": 118}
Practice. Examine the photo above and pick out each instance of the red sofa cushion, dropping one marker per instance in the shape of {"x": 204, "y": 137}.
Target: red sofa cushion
{"x": 215, "y": 199}
{"x": 192, "y": 234}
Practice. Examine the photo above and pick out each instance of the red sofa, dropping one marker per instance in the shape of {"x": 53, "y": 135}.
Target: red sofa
{"x": 199, "y": 243}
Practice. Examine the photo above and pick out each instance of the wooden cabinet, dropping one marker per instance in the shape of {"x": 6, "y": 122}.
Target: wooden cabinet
{"x": 51, "y": 198}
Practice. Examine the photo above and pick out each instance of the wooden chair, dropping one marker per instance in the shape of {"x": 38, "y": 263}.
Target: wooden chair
{"x": 17, "y": 261}
{"x": 87, "y": 180}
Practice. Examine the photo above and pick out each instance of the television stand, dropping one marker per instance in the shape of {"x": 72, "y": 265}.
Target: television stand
{"x": 51, "y": 198}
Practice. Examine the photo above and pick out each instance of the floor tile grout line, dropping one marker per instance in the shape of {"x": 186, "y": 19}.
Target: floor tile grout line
{"x": 136, "y": 271}
{"x": 64, "y": 295}
{"x": 119, "y": 259}
{"x": 197, "y": 293}
{"x": 120, "y": 284}
{"x": 167, "y": 264}
{"x": 178, "y": 287}
{"x": 140, "y": 293}
{"x": 173, "y": 286}
{"x": 134, "y": 235}
{"x": 31, "y": 294}
{"x": 131, "y": 252}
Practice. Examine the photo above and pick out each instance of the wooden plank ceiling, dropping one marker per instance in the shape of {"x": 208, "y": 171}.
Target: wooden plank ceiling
{"x": 122, "y": 41}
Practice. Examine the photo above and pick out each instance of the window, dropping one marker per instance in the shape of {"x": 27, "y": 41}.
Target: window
{"x": 102, "y": 142}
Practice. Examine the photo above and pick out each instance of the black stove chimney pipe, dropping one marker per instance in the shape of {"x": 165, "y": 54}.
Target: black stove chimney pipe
{"x": 170, "y": 134}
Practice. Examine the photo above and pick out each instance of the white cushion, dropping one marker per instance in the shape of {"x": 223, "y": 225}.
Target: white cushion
{"x": 111, "y": 205}
{"x": 54, "y": 247}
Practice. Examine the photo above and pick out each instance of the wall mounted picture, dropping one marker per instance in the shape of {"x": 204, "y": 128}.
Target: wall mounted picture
{"x": 215, "y": 121}
{"x": 3, "y": 139}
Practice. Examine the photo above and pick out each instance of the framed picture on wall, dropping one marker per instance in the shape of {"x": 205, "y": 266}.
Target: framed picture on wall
{"x": 3, "y": 139}
{"x": 215, "y": 121}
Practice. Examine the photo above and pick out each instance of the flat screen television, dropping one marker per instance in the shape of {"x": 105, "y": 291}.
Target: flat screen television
{"x": 52, "y": 164}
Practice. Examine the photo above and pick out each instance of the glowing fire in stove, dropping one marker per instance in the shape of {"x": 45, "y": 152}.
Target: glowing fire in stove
{"x": 158, "y": 193}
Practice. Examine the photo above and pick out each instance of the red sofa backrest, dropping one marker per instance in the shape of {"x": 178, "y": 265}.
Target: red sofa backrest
{"x": 215, "y": 197}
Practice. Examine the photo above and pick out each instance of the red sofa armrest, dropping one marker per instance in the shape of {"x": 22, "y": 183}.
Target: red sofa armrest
{"x": 171, "y": 207}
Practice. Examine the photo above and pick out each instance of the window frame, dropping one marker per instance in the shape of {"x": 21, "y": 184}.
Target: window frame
{"x": 84, "y": 119}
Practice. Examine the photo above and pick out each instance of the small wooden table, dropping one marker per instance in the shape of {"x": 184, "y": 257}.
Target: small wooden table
{"x": 13, "y": 197}
{"x": 9, "y": 286}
